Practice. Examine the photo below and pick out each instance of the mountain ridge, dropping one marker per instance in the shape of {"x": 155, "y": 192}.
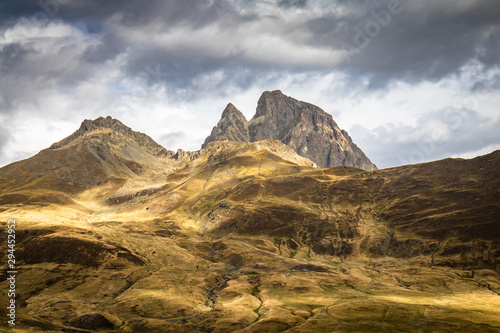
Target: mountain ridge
{"x": 109, "y": 155}
{"x": 306, "y": 128}
{"x": 108, "y": 123}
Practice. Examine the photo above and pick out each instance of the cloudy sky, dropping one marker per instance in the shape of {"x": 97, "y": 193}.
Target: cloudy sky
{"x": 410, "y": 80}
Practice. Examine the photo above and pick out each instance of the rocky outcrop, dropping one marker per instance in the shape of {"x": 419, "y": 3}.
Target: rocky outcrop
{"x": 304, "y": 127}
{"x": 233, "y": 126}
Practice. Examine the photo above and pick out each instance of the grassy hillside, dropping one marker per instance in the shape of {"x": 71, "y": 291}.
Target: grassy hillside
{"x": 253, "y": 238}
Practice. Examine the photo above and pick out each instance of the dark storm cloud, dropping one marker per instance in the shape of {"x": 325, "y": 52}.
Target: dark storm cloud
{"x": 110, "y": 46}
{"x": 180, "y": 66}
{"x": 133, "y": 13}
{"x": 195, "y": 13}
{"x": 12, "y": 57}
{"x": 418, "y": 40}
{"x": 292, "y": 3}
{"x": 410, "y": 41}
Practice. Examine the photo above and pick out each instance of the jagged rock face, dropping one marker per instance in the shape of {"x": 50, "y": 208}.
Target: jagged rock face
{"x": 277, "y": 115}
{"x": 233, "y": 126}
{"x": 304, "y": 127}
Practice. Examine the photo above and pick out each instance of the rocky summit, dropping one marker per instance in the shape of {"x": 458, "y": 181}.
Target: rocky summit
{"x": 233, "y": 126}
{"x": 304, "y": 127}
{"x": 114, "y": 233}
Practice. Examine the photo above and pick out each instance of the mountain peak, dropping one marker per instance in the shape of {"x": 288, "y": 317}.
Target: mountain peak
{"x": 232, "y": 126}
{"x": 272, "y": 93}
{"x": 109, "y": 125}
{"x": 89, "y": 125}
{"x": 269, "y": 98}
{"x": 232, "y": 111}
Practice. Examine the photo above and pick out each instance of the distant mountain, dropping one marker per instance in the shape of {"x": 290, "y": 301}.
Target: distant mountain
{"x": 304, "y": 127}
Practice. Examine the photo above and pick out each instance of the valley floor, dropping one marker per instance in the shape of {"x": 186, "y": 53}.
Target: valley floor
{"x": 163, "y": 279}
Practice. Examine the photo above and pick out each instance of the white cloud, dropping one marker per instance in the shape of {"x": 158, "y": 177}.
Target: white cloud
{"x": 435, "y": 135}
